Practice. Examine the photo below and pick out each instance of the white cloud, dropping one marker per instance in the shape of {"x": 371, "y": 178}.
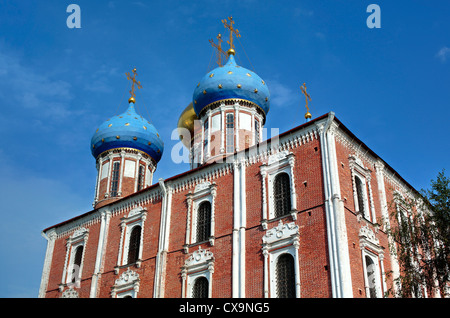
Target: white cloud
{"x": 443, "y": 54}
{"x": 280, "y": 94}
{"x": 31, "y": 90}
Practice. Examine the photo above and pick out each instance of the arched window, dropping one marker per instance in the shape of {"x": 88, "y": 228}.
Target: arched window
{"x": 134, "y": 245}
{"x": 282, "y": 194}
{"x": 230, "y": 133}
{"x": 141, "y": 177}
{"x": 77, "y": 263}
{"x": 285, "y": 274}
{"x": 204, "y": 221}
{"x": 360, "y": 195}
{"x": 371, "y": 278}
{"x": 115, "y": 179}
{"x": 200, "y": 288}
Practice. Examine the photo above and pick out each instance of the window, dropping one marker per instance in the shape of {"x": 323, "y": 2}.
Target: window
{"x": 370, "y": 270}
{"x": 200, "y": 289}
{"x": 77, "y": 264}
{"x": 200, "y": 215}
{"x": 73, "y": 265}
{"x": 256, "y": 131}
{"x": 282, "y": 194}
{"x": 115, "y": 179}
{"x": 130, "y": 246}
{"x": 134, "y": 245}
{"x": 281, "y": 261}
{"x": 372, "y": 259}
{"x": 205, "y": 139}
{"x": 360, "y": 191}
{"x": 204, "y": 221}
{"x": 285, "y": 276}
{"x": 197, "y": 274}
{"x": 372, "y": 279}
{"x": 230, "y": 133}
{"x": 141, "y": 177}
{"x": 278, "y": 187}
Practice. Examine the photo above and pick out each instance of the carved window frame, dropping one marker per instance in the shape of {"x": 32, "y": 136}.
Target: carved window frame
{"x": 126, "y": 285}
{"x": 136, "y": 217}
{"x": 281, "y": 162}
{"x": 370, "y": 247}
{"x": 282, "y": 239}
{"x": 358, "y": 170}
{"x": 199, "y": 264}
{"x": 77, "y": 239}
{"x": 205, "y": 191}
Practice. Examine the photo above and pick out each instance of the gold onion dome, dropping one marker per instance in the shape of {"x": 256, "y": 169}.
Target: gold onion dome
{"x": 186, "y": 125}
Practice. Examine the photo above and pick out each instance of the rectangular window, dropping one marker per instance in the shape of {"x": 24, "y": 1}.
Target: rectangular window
{"x": 115, "y": 179}
{"x": 256, "y": 132}
{"x": 141, "y": 177}
{"x": 206, "y": 139}
{"x": 230, "y": 132}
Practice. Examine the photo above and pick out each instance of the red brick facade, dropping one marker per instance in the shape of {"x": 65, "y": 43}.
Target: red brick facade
{"x": 169, "y": 226}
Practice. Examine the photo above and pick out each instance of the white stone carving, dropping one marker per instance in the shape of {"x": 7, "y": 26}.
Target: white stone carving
{"x": 127, "y": 277}
{"x": 277, "y": 157}
{"x": 280, "y": 232}
{"x": 199, "y": 256}
{"x": 70, "y": 293}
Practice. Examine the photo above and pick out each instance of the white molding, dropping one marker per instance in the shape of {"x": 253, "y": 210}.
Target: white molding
{"x": 199, "y": 264}
{"x": 126, "y": 285}
{"x": 284, "y": 238}
{"x": 136, "y": 217}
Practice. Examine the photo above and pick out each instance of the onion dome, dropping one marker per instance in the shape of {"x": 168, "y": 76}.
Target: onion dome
{"x": 128, "y": 130}
{"x": 231, "y": 81}
{"x": 186, "y": 121}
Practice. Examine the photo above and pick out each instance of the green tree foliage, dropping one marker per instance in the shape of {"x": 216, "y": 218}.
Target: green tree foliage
{"x": 420, "y": 233}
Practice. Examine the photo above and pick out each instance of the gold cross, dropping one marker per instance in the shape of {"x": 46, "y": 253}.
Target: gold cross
{"x": 219, "y": 48}
{"x": 133, "y": 80}
{"x": 307, "y": 97}
{"x": 232, "y": 30}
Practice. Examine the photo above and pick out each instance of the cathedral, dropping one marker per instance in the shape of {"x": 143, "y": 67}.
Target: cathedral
{"x": 300, "y": 215}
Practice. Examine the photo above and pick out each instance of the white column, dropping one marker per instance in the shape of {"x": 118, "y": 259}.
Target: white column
{"x": 264, "y": 196}
{"x": 340, "y": 273}
{"x": 236, "y": 126}
{"x": 266, "y": 272}
{"x": 108, "y": 182}
{"x": 296, "y": 245}
{"x": 51, "y": 238}
{"x": 235, "y": 237}
{"x": 242, "y": 227}
{"x": 104, "y": 226}
{"x": 97, "y": 183}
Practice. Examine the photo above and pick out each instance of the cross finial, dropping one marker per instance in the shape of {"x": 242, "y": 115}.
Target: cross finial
{"x": 307, "y": 97}
{"x": 218, "y": 46}
{"x": 232, "y": 30}
{"x": 133, "y": 81}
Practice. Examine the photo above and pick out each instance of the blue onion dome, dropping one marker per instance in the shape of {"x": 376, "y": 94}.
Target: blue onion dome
{"x": 231, "y": 81}
{"x": 128, "y": 130}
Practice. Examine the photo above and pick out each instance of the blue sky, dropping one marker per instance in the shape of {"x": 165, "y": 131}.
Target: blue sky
{"x": 389, "y": 86}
